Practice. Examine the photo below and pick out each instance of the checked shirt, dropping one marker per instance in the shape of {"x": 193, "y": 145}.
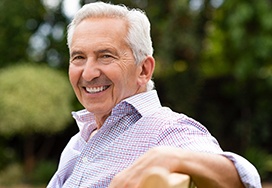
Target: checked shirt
{"x": 135, "y": 125}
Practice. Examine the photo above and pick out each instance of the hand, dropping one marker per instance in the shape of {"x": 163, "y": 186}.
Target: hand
{"x": 206, "y": 170}
{"x": 161, "y": 156}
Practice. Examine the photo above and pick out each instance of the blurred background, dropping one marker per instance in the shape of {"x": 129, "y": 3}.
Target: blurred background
{"x": 213, "y": 63}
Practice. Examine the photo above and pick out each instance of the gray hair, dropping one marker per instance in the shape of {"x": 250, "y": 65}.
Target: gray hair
{"x": 138, "y": 37}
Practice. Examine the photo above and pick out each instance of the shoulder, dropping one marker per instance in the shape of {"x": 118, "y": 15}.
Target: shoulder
{"x": 177, "y": 129}
{"x": 169, "y": 119}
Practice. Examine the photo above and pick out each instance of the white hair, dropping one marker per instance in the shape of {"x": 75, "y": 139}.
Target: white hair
{"x": 138, "y": 37}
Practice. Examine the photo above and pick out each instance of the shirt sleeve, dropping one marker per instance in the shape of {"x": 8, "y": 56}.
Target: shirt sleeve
{"x": 190, "y": 134}
{"x": 247, "y": 172}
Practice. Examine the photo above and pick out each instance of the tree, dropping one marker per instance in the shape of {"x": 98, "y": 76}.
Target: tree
{"x": 32, "y": 31}
{"x": 18, "y": 21}
{"x": 237, "y": 60}
{"x": 33, "y": 99}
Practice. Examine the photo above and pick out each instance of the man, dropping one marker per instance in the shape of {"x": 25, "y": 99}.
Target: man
{"x": 124, "y": 130}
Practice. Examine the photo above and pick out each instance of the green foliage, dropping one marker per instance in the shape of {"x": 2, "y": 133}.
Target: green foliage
{"x": 239, "y": 40}
{"x": 237, "y": 55}
{"x": 7, "y": 156}
{"x": 261, "y": 159}
{"x": 11, "y": 175}
{"x": 18, "y": 21}
{"x": 33, "y": 99}
{"x": 43, "y": 172}
{"x": 29, "y": 31}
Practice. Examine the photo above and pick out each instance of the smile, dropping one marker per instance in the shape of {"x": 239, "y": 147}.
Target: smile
{"x": 96, "y": 89}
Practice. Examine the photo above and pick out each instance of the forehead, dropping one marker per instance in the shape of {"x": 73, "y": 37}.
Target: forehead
{"x": 94, "y": 33}
{"x": 101, "y": 27}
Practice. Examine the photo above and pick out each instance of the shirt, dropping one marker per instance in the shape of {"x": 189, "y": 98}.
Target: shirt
{"x": 135, "y": 125}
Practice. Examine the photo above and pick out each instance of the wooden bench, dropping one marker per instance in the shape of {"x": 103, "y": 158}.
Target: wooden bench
{"x": 160, "y": 178}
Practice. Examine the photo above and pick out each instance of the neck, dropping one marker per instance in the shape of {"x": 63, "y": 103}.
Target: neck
{"x": 100, "y": 120}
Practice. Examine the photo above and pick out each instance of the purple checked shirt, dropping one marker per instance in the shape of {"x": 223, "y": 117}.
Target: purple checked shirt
{"x": 135, "y": 125}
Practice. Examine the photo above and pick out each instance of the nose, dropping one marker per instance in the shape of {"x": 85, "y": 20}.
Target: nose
{"x": 91, "y": 70}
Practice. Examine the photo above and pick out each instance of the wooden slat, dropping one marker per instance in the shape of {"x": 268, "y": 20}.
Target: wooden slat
{"x": 160, "y": 178}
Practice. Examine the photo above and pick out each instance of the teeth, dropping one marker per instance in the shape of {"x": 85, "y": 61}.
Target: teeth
{"x": 96, "y": 89}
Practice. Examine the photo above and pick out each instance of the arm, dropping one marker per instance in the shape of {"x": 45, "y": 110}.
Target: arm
{"x": 247, "y": 172}
{"x": 206, "y": 170}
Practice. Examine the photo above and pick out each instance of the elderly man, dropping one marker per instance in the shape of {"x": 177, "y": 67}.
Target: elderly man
{"x": 123, "y": 129}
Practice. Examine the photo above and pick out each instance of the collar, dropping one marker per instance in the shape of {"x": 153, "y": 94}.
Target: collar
{"x": 145, "y": 103}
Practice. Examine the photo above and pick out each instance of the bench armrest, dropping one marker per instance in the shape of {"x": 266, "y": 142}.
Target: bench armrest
{"x": 160, "y": 178}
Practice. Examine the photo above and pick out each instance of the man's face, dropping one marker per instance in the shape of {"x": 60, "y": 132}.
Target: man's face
{"x": 102, "y": 67}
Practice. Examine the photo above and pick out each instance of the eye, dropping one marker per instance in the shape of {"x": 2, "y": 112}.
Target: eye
{"x": 78, "y": 57}
{"x": 107, "y": 56}
{"x": 77, "y": 60}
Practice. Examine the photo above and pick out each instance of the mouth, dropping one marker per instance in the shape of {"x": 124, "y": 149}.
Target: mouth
{"x": 93, "y": 90}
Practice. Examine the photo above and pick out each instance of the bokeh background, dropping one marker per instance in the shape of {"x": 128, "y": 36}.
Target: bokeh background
{"x": 213, "y": 63}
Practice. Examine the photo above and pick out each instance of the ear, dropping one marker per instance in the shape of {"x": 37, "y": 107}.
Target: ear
{"x": 146, "y": 70}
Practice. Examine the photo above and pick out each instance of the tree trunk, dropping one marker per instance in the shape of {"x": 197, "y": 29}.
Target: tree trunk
{"x": 29, "y": 157}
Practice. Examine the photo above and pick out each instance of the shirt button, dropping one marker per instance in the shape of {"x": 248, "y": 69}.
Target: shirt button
{"x": 85, "y": 160}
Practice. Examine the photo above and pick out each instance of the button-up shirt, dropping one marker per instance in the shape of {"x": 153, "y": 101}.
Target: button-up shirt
{"x": 135, "y": 125}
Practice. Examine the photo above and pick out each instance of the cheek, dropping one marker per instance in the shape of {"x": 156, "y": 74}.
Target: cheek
{"x": 74, "y": 75}
{"x": 132, "y": 75}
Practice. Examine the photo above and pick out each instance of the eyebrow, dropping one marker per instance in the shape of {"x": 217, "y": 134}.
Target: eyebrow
{"x": 76, "y": 52}
{"x": 99, "y": 51}
{"x": 106, "y": 50}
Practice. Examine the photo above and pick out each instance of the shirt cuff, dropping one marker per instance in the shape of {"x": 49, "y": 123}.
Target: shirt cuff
{"x": 247, "y": 172}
